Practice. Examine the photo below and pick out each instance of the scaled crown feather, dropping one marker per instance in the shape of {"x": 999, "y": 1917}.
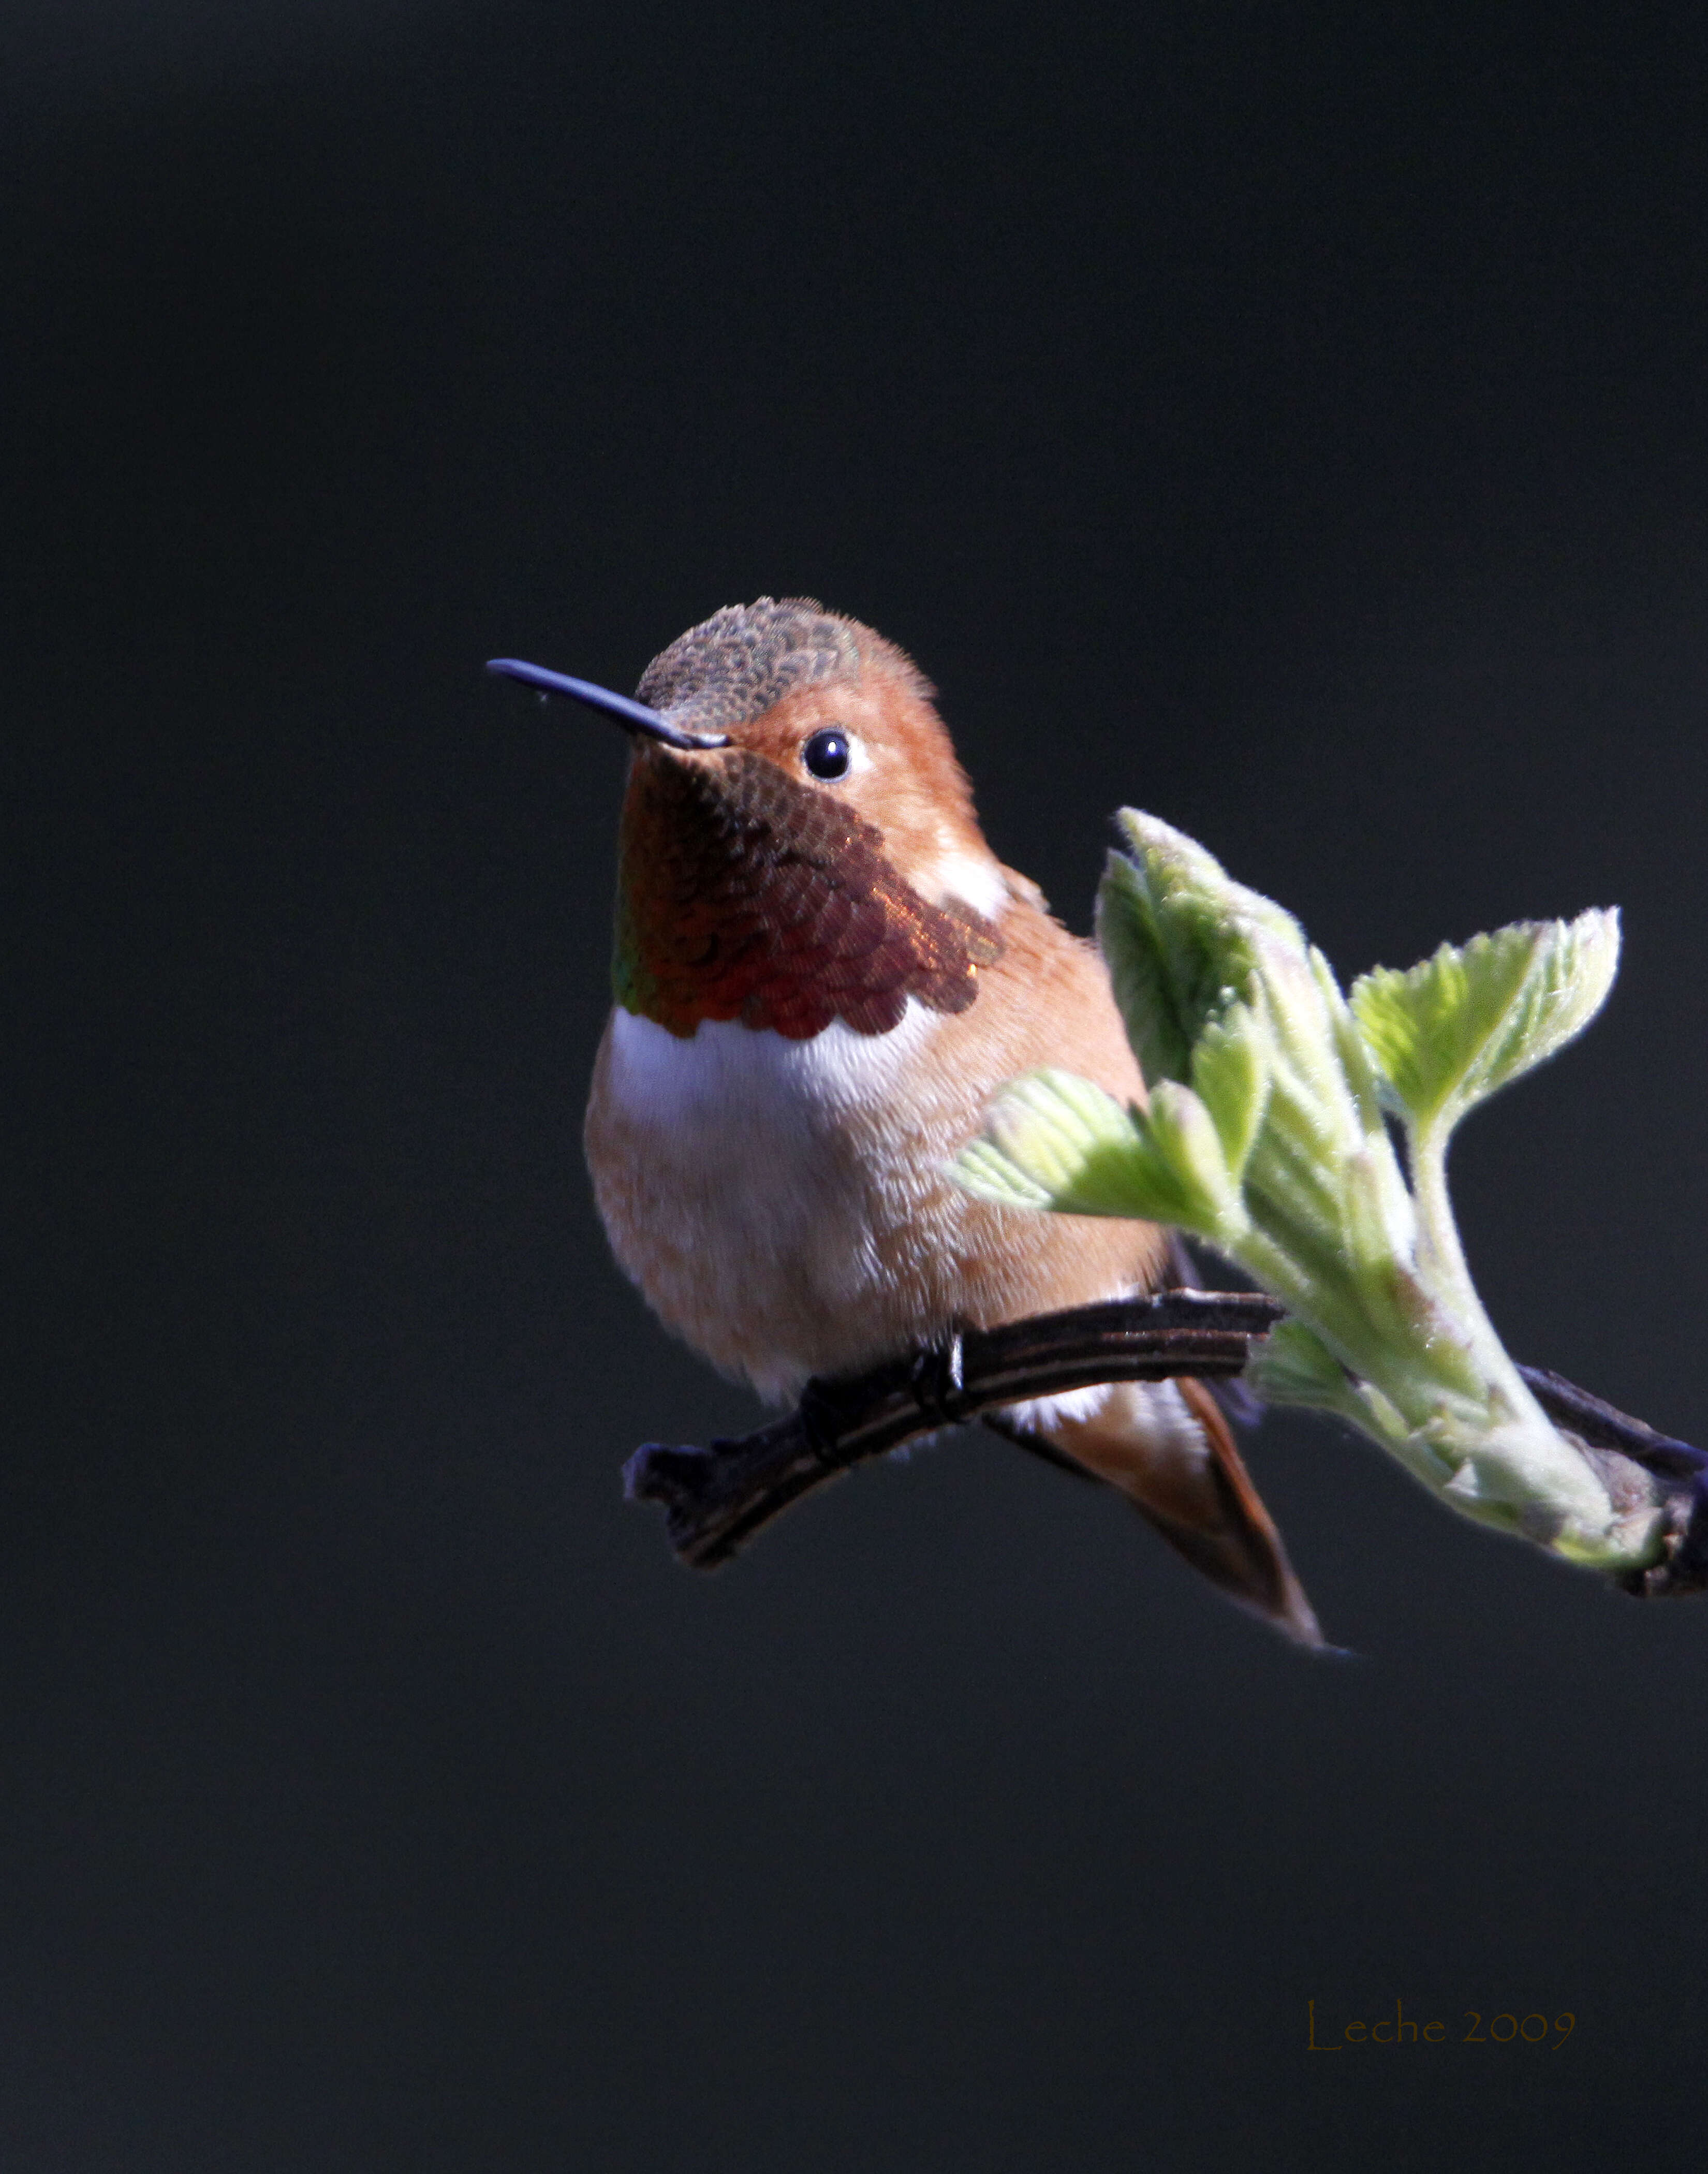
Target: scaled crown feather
{"x": 741, "y": 662}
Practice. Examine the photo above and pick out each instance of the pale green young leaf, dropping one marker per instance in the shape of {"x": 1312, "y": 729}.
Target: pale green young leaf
{"x": 1356, "y": 1065}
{"x": 990, "y": 1173}
{"x": 1230, "y": 1077}
{"x": 1378, "y": 1226}
{"x": 1293, "y": 1365}
{"x": 1183, "y": 870}
{"x": 1182, "y": 1134}
{"x": 1175, "y": 932}
{"x": 1053, "y": 1140}
{"x": 1165, "y": 971}
{"x": 1451, "y": 1031}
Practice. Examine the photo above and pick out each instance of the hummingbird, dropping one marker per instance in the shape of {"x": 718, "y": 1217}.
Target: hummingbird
{"x": 822, "y": 976}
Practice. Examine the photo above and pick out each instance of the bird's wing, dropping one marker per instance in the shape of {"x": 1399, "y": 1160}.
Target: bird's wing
{"x": 1167, "y": 1447}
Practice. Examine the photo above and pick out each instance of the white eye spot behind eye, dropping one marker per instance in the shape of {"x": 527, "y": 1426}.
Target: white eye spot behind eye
{"x": 977, "y": 880}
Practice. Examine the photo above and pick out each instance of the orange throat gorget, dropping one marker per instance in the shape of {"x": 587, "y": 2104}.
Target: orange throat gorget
{"x": 743, "y": 896}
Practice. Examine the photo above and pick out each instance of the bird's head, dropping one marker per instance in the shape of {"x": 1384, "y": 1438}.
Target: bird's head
{"x": 799, "y": 841}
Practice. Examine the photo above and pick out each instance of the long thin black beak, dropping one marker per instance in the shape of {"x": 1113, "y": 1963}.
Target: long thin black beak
{"x": 633, "y": 717}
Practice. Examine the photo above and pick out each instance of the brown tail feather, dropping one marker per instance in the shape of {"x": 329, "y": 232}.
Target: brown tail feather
{"x": 1167, "y": 1447}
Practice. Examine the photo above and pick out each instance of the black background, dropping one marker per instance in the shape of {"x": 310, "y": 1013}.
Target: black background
{"x": 1290, "y": 419}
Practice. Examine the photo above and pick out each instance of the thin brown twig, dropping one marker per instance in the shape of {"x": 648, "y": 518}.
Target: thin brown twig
{"x": 716, "y": 1499}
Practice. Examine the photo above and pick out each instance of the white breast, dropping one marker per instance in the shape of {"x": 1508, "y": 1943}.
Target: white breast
{"x": 734, "y": 1174}
{"x": 725, "y": 1075}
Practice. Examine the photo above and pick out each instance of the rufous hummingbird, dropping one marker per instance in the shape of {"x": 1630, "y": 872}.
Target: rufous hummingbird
{"x": 823, "y": 975}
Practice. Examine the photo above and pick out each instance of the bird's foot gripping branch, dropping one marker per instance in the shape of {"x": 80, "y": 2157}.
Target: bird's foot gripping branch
{"x": 1267, "y": 1134}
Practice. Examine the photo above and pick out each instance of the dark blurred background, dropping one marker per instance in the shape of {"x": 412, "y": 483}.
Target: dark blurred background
{"x": 1291, "y": 420}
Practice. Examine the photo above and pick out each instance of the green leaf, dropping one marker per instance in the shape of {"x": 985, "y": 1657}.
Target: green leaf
{"x": 989, "y": 1173}
{"x": 1378, "y": 1227}
{"x": 1053, "y": 1140}
{"x": 1176, "y": 934}
{"x": 1230, "y": 1077}
{"x": 1165, "y": 971}
{"x": 1451, "y": 1031}
{"x": 1181, "y": 1133}
{"x": 1357, "y": 1067}
{"x": 1293, "y": 1365}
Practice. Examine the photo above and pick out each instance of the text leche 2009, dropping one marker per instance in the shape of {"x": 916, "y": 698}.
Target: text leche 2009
{"x": 1474, "y": 2028}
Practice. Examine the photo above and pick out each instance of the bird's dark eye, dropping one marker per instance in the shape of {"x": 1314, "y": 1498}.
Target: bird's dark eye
{"x": 827, "y": 755}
